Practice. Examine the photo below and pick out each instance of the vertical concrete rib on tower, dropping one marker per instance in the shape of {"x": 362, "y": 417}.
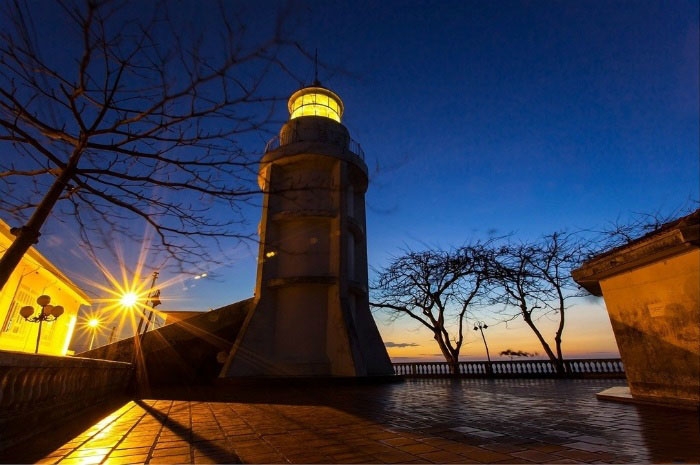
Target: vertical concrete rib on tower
{"x": 312, "y": 315}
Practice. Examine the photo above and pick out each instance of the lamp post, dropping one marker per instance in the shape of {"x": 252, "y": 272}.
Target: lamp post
{"x": 143, "y": 311}
{"x": 481, "y": 326}
{"x": 154, "y": 300}
{"x": 48, "y": 313}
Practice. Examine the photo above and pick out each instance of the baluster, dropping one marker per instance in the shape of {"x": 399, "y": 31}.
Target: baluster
{"x": 6, "y": 387}
{"x": 41, "y": 381}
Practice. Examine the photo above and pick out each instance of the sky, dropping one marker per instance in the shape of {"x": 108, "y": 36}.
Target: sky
{"x": 490, "y": 117}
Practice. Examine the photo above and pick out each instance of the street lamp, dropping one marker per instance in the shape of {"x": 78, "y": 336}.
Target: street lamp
{"x": 481, "y": 326}
{"x": 48, "y": 313}
{"x": 129, "y": 299}
{"x": 93, "y": 323}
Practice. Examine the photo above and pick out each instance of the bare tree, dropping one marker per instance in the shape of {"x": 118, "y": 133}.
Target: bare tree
{"x": 535, "y": 280}
{"x": 435, "y": 288}
{"x": 622, "y": 231}
{"x": 133, "y": 116}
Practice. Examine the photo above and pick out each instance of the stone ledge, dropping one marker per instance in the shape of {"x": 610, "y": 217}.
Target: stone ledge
{"x": 622, "y": 394}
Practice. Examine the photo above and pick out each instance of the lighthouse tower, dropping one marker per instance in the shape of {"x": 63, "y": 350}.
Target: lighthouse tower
{"x": 311, "y": 315}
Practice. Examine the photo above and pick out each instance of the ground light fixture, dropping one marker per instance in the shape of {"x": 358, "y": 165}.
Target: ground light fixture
{"x": 48, "y": 313}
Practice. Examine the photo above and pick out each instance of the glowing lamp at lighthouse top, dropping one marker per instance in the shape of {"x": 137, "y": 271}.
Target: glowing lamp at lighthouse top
{"x": 315, "y": 101}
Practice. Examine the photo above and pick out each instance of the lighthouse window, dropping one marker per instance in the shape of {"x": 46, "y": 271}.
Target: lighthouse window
{"x": 314, "y": 104}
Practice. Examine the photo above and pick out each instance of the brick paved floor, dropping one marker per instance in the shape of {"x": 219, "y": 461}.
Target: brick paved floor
{"x": 417, "y": 421}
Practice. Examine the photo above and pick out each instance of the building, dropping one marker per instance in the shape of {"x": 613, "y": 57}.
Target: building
{"x": 311, "y": 312}
{"x": 33, "y": 277}
{"x": 651, "y": 288}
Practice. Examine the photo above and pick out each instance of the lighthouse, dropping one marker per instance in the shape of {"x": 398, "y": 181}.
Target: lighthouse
{"x": 311, "y": 314}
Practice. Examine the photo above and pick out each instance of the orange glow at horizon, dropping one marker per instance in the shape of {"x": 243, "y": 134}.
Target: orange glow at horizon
{"x": 588, "y": 332}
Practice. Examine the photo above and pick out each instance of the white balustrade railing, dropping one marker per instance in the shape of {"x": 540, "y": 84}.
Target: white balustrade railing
{"x": 516, "y": 368}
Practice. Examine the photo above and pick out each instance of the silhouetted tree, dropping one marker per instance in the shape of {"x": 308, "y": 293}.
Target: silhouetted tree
{"x": 535, "y": 280}
{"x": 132, "y": 117}
{"x": 435, "y": 288}
{"x": 516, "y": 353}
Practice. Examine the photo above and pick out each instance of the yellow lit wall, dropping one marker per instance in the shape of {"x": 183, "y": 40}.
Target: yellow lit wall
{"x": 35, "y": 276}
{"x": 315, "y": 101}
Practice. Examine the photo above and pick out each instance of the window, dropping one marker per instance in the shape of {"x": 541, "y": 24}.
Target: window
{"x": 14, "y": 323}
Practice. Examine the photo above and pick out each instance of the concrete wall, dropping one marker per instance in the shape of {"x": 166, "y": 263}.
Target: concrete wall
{"x": 186, "y": 352}
{"x": 41, "y": 392}
{"x": 655, "y": 314}
{"x": 651, "y": 288}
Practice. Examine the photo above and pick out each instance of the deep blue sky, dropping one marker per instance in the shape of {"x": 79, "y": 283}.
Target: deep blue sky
{"x": 524, "y": 117}
{"x": 495, "y": 116}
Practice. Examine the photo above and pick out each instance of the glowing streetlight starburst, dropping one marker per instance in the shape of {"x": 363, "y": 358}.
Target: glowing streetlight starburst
{"x": 129, "y": 299}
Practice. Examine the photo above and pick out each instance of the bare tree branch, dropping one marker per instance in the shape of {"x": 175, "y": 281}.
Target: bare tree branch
{"x": 133, "y": 107}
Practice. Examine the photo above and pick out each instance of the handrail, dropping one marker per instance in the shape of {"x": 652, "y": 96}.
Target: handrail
{"x": 40, "y": 392}
{"x": 573, "y": 368}
{"x": 353, "y": 147}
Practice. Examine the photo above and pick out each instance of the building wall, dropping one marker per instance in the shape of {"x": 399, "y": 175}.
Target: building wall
{"x": 33, "y": 277}
{"x": 655, "y": 314}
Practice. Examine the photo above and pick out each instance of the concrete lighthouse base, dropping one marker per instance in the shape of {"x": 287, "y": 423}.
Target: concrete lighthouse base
{"x": 296, "y": 334}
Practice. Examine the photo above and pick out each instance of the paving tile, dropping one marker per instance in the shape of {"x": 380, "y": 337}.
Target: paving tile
{"x": 164, "y": 452}
{"x": 442, "y": 456}
{"x": 171, "y": 459}
{"x": 81, "y": 460}
{"x": 588, "y": 447}
{"x": 535, "y": 456}
{"x": 485, "y": 455}
{"x": 123, "y": 452}
{"x": 503, "y": 447}
{"x": 399, "y": 441}
{"x": 420, "y": 448}
{"x": 415, "y": 421}
{"x": 581, "y": 455}
{"x": 126, "y": 460}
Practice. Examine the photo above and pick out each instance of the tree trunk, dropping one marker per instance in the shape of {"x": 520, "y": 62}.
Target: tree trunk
{"x": 28, "y": 235}
{"x": 451, "y": 358}
{"x": 558, "y": 364}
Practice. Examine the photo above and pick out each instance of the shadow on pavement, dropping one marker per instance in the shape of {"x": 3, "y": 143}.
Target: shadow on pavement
{"x": 40, "y": 445}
